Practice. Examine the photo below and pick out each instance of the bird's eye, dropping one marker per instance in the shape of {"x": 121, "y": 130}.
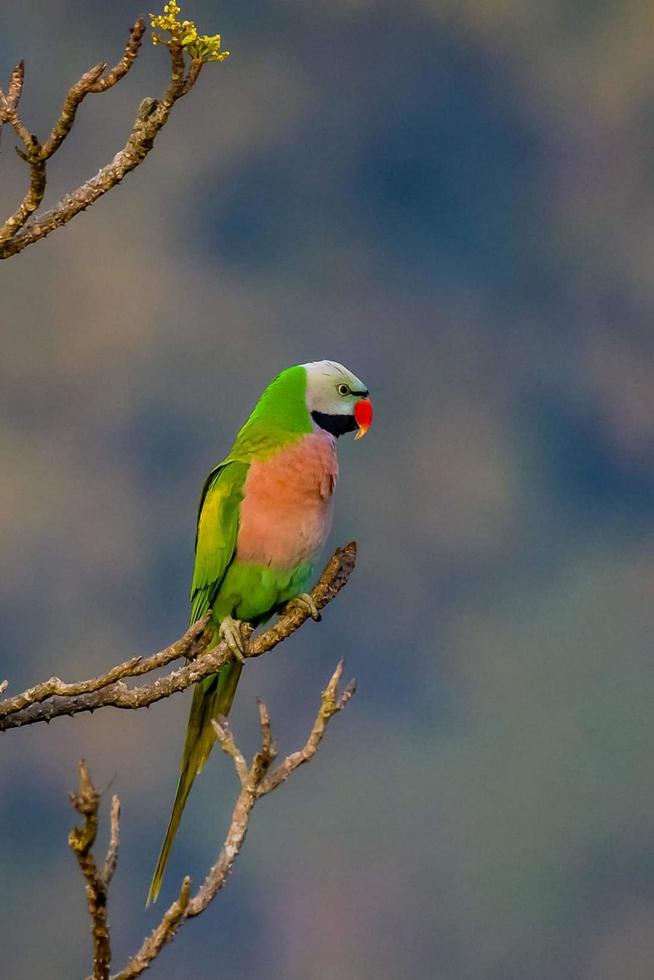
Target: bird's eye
{"x": 343, "y": 389}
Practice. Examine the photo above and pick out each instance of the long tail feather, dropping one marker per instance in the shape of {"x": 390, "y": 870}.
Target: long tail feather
{"x": 211, "y": 697}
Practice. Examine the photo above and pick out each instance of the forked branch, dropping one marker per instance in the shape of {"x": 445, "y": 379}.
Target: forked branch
{"x": 257, "y": 778}
{"x": 188, "y": 52}
{"x": 81, "y": 840}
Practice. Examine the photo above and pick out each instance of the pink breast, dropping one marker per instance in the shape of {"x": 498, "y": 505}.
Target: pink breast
{"x": 286, "y": 509}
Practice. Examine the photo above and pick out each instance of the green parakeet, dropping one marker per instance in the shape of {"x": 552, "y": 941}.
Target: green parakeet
{"x": 264, "y": 515}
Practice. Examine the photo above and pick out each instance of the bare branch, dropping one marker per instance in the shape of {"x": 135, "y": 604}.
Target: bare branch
{"x": 28, "y": 709}
{"x": 75, "y": 95}
{"x": 268, "y": 746}
{"x": 332, "y": 702}
{"x": 129, "y": 57}
{"x": 226, "y": 741}
{"x": 192, "y": 77}
{"x": 177, "y": 69}
{"x": 91, "y": 81}
{"x": 32, "y": 199}
{"x": 15, "y": 89}
{"x": 31, "y": 155}
{"x": 9, "y": 105}
{"x": 81, "y": 840}
{"x": 255, "y": 783}
{"x": 111, "y": 859}
{"x": 190, "y": 645}
{"x": 160, "y": 935}
{"x": 23, "y": 227}
{"x": 259, "y": 784}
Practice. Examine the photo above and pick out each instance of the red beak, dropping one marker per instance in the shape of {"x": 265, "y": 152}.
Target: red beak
{"x": 363, "y": 416}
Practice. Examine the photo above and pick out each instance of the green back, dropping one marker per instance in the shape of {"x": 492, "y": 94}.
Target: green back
{"x": 279, "y": 418}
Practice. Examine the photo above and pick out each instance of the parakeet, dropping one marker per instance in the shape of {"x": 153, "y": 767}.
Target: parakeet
{"x": 264, "y": 515}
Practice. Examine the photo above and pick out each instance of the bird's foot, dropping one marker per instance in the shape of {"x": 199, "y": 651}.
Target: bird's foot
{"x": 230, "y": 632}
{"x": 306, "y": 601}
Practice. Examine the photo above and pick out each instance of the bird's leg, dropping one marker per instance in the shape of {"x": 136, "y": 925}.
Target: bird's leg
{"x": 305, "y": 600}
{"x": 230, "y": 631}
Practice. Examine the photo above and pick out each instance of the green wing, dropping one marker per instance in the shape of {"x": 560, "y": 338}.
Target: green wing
{"x": 215, "y": 542}
{"x": 217, "y": 528}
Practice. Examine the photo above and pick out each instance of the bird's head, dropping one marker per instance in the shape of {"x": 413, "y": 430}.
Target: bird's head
{"x": 336, "y": 399}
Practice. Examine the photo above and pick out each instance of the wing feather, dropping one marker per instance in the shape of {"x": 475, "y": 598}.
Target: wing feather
{"x": 217, "y": 528}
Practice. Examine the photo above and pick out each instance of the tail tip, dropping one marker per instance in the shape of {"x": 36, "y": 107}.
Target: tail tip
{"x": 153, "y": 894}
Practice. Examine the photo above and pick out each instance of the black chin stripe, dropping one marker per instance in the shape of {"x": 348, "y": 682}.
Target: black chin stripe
{"x": 336, "y": 424}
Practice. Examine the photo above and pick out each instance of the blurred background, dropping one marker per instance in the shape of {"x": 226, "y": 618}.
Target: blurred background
{"x": 456, "y": 200}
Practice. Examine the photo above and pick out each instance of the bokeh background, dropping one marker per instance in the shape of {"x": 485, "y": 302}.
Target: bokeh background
{"x": 456, "y": 200}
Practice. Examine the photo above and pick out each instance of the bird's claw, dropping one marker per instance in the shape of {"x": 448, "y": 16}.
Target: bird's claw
{"x": 230, "y": 632}
{"x": 306, "y": 601}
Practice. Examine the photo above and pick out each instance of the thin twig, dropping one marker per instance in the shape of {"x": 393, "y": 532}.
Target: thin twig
{"x": 332, "y": 702}
{"x": 15, "y": 87}
{"x": 129, "y": 57}
{"x": 256, "y": 781}
{"x": 268, "y": 746}
{"x": 31, "y": 155}
{"x": 228, "y": 745}
{"x": 192, "y": 77}
{"x": 260, "y": 782}
{"x": 28, "y": 709}
{"x": 92, "y": 81}
{"x": 9, "y": 106}
{"x": 81, "y": 840}
{"x": 75, "y": 96}
{"x": 111, "y": 860}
